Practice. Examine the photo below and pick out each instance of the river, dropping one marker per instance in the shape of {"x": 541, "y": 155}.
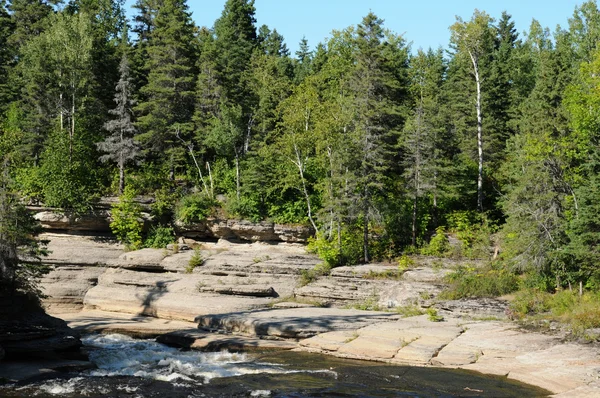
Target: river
{"x": 126, "y": 367}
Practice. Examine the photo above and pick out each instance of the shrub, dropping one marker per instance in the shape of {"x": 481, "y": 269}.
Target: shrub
{"x": 471, "y": 281}
{"x": 159, "y": 237}
{"x": 432, "y": 315}
{"x": 350, "y": 253}
{"x": 311, "y": 275}
{"x": 438, "y": 245}
{"x": 127, "y": 222}
{"x": 474, "y": 232}
{"x": 194, "y": 208}
{"x": 195, "y": 261}
{"x": 579, "y": 313}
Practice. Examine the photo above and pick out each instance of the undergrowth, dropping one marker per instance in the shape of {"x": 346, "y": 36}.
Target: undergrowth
{"x": 468, "y": 281}
{"x": 578, "y": 313}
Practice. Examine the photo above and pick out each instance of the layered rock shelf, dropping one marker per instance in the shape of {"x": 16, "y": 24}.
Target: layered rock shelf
{"x": 246, "y": 296}
{"x": 98, "y": 220}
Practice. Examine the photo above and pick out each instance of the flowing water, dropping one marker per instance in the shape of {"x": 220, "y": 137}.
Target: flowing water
{"x": 127, "y": 367}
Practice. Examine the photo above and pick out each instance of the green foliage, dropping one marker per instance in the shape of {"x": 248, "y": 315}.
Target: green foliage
{"x": 246, "y": 207}
{"x": 470, "y": 281}
{"x": 579, "y": 313}
{"x": 195, "y": 261}
{"x": 311, "y": 275}
{"x": 438, "y": 245}
{"x": 194, "y": 208}
{"x": 433, "y": 316}
{"x": 474, "y": 231}
{"x": 159, "y": 237}
{"x": 405, "y": 263}
{"x": 407, "y": 311}
{"x": 350, "y": 252}
{"x": 127, "y": 222}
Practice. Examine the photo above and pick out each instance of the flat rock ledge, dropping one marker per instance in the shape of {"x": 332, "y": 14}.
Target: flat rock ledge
{"x": 490, "y": 347}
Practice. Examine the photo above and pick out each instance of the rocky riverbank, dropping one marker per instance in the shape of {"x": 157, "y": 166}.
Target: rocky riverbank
{"x": 248, "y": 296}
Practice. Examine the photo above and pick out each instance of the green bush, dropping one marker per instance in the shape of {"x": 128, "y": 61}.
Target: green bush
{"x": 127, "y": 221}
{"x": 245, "y": 207}
{"x": 159, "y": 237}
{"x": 472, "y": 281}
{"x": 579, "y": 313}
{"x": 433, "y": 316}
{"x": 194, "y": 208}
{"x": 438, "y": 245}
{"x": 311, "y": 275}
{"x": 474, "y": 231}
{"x": 195, "y": 261}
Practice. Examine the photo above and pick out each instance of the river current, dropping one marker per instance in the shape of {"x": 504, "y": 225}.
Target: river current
{"x": 127, "y": 367}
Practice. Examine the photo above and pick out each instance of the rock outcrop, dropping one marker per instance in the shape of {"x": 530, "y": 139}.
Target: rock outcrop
{"x": 243, "y": 230}
{"x": 27, "y": 331}
{"x": 97, "y": 222}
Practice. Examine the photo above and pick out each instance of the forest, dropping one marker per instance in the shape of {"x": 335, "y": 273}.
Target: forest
{"x": 381, "y": 148}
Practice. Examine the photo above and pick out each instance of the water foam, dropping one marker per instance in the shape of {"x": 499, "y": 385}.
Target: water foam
{"x": 118, "y": 355}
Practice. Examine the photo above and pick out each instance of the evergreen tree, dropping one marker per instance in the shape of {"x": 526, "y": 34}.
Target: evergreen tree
{"x": 29, "y": 19}
{"x": 6, "y": 56}
{"x": 120, "y": 146}
{"x": 377, "y": 120}
{"x": 303, "y": 61}
{"x": 423, "y": 139}
{"x": 168, "y": 107}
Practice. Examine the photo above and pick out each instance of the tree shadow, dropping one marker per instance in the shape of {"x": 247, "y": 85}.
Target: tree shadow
{"x": 149, "y": 299}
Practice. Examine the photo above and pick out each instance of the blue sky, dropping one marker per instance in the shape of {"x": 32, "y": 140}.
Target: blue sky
{"x": 424, "y": 23}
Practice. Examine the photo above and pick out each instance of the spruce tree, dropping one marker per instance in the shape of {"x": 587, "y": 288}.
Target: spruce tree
{"x": 168, "y": 97}
{"x": 119, "y": 146}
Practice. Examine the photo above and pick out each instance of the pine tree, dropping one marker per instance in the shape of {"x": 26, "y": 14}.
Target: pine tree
{"x": 377, "y": 120}
{"x": 120, "y": 146}
{"x": 168, "y": 107}
{"x": 303, "y": 61}
{"x": 6, "y": 56}
{"x": 29, "y": 18}
{"x": 423, "y": 139}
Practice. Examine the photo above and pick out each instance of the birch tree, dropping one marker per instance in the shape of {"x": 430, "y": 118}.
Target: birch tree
{"x": 471, "y": 39}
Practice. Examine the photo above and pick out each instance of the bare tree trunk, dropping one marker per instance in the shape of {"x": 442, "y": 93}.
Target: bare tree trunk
{"x": 212, "y": 187}
{"x": 479, "y": 134}
{"x": 300, "y": 164}
{"x": 366, "y": 227}
{"x": 237, "y": 174}
{"x": 72, "y": 132}
{"x": 190, "y": 148}
{"x": 435, "y": 204}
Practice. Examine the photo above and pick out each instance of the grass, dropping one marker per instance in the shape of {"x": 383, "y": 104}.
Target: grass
{"x": 387, "y": 274}
{"x": 578, "y": 313}
{"x": 311, "y": 275}
{"x": 468, "y": 281}
{"x": 370, "y": 303}
{"x": 410, "y": 310}
{"x": 433, "y": 316}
